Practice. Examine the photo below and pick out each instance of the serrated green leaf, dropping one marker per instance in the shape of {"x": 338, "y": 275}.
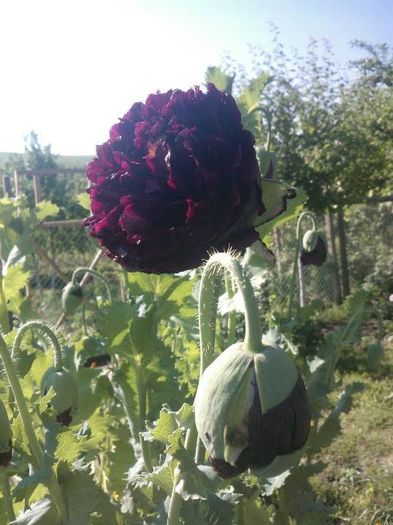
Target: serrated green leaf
{"x": 15, "y": 279}
{"x": 41, "y": 512}
{"x": 45, "y": 400}
{"x": 84, "y": 200}
{"x": 164, "y": 427}
{"x": 162, "y": 477}
{"x": 219, "y": 78}
{"x": 331, "y": 427}
{"x": 254, "y": 511}
{"x": 45, "y": 209}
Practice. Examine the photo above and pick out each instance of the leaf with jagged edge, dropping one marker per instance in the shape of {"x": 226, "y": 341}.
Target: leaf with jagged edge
{"x": 114, "y": 319}
{"x": 46, "y": 209}
{"x": 76, "y": 483}
{"x": 331, "y": 427}
{"x": 120, "y": 456}
{"x": 41, "y": 512}
{"x": 219, "y": 78}
{"x": 14, "y": 280}
{"x": 162, "y": 476}
{"x": 254, "y": 511}
{"x": 83, "y": 200}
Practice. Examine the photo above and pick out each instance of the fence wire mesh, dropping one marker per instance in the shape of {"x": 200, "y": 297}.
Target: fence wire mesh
{"x": 64, "y": 246}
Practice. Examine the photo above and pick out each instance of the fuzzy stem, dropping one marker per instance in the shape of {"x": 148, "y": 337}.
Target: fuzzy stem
{"x": 84, "y": 319}
{"x": 7, "y": 500}
{"x": 253, "y": 332}
{"x": 34, "y": 445}
{"x": 302, "y": 216}
{"x": 4, "y": 319}
{"x": 231, "y": 335}
{"x": 47, "y": 332}
{"x": 145, "y": 453}
{"x": 85, "y": 269}
{"x": 175, "y": 502}
{"x": 207, "y": 321}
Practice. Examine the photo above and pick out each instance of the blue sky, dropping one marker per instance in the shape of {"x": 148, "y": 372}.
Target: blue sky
{"x": 71, "y": 68}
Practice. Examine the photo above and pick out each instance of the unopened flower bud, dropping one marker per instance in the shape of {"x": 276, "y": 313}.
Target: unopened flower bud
{"x": 71, "y": 297}
{"x": 252, "y": 411}
{"x": 314, "y": 248}
{"x": 5, "y": 437}
{"x": 65, "y": 387}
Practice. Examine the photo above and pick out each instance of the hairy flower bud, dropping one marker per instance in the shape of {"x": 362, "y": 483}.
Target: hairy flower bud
{"x": 66, "y": 393}
{"x": 252, "y": 411}
{"x": 71, "y": 298}
{"x": 314, "y": 248}
{"x": 5, "y": 437}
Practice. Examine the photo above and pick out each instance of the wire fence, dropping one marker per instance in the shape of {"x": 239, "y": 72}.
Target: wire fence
{"x": 62, "y": 245}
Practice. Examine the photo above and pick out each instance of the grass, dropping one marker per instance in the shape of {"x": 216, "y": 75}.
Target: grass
{"x": 357, "y": 482}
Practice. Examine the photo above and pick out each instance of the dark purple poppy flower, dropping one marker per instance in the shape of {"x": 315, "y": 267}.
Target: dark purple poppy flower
{"x": 317, "y": 256}
{"x": 177, "y": 178}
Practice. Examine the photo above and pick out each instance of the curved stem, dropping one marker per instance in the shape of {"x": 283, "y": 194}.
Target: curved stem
{"x": 5, "y": 486}
{"x": 302, "y": 216}
{"x": 207, "y": 308}
{"x": 47, "y": 332}
{"x": 84, "y": 319}
{"x": 253, "y": 333}
{"x": 231, "y": 335}
{"x": 34, "y": 445}
{"x": 85, "y": 269}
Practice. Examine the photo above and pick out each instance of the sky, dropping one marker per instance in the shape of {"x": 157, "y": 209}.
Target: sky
{"x": 71, "y": 68}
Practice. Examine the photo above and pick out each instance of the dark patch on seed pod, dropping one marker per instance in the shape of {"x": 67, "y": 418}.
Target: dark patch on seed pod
{"x": 5, "y": 457}
{"x": 280, "y": 431}
{"x": 317, "y": 256}
{"x": 65, "y": 418}
{"x": 97, "y": 361}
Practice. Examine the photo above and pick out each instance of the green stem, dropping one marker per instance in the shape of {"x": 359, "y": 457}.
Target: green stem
{"x": 84, "y": 319}
{"x": 48, "y": 334}
{"x": 231, "y": 336}
{"x": 4, "y": 320}
{"x": 175, "y": 502}
{"x": 5, "y": 486}
{"x": 125, "y": 394}
{"x": 85, "y": 269}
{"x": 302, "y": 216}
{"x": 34, "y": 445}
{"x": 240, "y": 513}
{"x": 253, "y": 333}
{"x": 145, "y": 453}
{"x": 207, "y": 308}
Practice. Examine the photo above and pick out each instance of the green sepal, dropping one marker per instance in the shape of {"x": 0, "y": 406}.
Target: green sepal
{"x": 213, "y": 406}
{"x": 64, "y": 386}
{"x": 276, "y": 375}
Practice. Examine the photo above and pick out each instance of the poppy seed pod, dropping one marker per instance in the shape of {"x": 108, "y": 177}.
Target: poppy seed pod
{"x": 66, "y": 393}
{"x": 310, "y": 239}
{"x": 314, "y": 248}
{"x": 71, "y": 297}
{"x": 5, "y": 437}
{"x": 252, "y": 411}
